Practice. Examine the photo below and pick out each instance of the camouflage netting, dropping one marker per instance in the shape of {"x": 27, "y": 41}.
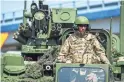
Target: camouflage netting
{"x": 42, "y": 79}
{"x": 46, "y": 79}
{"x": 35, "y": 70}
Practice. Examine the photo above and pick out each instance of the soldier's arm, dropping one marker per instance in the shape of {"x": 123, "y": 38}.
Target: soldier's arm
{"x": 100, "y": 51}
{"x": 64, "y": 51}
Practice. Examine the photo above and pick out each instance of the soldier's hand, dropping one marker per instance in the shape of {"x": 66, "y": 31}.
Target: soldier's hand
{"x": 68, "y": 61}
{"x": 60, "y": 59}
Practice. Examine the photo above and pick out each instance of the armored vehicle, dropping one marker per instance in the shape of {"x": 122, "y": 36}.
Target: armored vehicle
{"x": 42, "y": 33}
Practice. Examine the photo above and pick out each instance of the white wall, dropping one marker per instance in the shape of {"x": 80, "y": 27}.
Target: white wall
{"x": 105, "y": 23}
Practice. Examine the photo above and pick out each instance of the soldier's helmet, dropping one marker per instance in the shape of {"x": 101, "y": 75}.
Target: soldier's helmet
{"x": 82, "y": 20}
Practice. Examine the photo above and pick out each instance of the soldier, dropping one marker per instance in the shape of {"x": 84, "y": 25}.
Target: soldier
{"x": 82, "y": 46}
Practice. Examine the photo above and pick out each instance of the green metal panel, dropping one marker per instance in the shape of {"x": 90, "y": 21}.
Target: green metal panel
{"x": 115, "y": 43}
{"x": 14, "y": 69}
{"x": 14, "y": 63}
{"x": 49, "y": 29}
{"x": 117, "y": 69}
{"x": 63, "y": 15}
{"x": 108, "y": 47}
{"x": 42, "y": 35}
{"x": 1, "y": 66}
{"x": 120, "y": 63}
{"x": 122, "y": 28}
{"x": 12, "y": 59}
{"x": 122, "y": 77}
{"x": 33, "y": 49}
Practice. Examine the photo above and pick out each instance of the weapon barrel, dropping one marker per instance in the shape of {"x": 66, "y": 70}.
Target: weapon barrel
{"x": 19, "y": 38}
{"x": 53, "y": 27}
{"x": 20, "y": 29}
{"x": 40, "y": 4}
{"x": 24, "y": 18}
{"x": 59, "y": 26}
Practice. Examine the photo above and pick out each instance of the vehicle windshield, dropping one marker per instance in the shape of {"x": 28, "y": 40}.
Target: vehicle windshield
{"x": 69, "y": 74}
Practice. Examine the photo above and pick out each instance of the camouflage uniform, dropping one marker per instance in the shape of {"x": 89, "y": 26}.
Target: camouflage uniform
{"x": 86, "y": 50}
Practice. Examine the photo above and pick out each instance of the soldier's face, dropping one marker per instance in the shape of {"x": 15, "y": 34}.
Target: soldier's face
{"x": 82, "y": 28}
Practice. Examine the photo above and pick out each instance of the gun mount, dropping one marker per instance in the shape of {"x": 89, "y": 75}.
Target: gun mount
{"x": 44, "y": 29}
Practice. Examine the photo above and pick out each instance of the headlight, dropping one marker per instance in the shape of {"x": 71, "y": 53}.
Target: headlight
{"x": 39, "y": 15}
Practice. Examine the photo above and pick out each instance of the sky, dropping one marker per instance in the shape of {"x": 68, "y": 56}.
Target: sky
{"x": 14, "y": 5}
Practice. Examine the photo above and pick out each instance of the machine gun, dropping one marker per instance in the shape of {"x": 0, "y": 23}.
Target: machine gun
{"x": 44, "y": 30}
{"x": 39, "y": 18}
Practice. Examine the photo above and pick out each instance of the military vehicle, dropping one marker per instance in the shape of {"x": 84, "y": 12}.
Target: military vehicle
{"x": 42, "y": 33}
